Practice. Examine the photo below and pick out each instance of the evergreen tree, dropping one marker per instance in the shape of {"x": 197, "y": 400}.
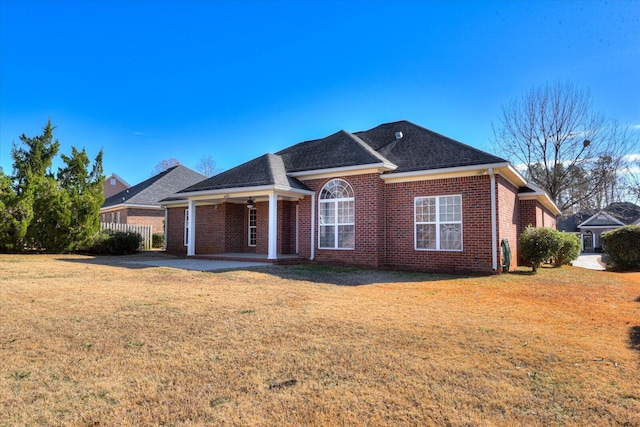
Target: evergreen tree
{"x": 35, "y": 160}
{"x": 15, "y": 215}
{"x": 85, "y": 192}
{"x": 45, "y": 212}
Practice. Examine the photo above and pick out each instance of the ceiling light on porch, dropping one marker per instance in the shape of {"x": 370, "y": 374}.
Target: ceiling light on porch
{"x": 250, "y": 203}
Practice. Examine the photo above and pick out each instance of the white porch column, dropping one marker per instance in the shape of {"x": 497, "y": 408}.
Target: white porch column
{"x": 273, "y": 226}
{"x": 191, "y": 243}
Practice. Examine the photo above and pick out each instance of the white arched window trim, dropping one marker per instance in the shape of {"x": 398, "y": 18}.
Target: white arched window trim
{"x": 336, "y": 216}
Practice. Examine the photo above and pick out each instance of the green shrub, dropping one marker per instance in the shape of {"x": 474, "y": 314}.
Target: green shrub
{"x": 116, "y": 243}
{"x": 157, "y": 240}
{"x": 538, "y": 245}
{"x": 622, "y": 249}
{"x": 569, "y": 250}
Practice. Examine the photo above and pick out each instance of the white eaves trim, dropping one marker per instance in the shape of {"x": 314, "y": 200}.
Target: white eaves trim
{"x": 539, "y": 194}
{"x": 129, "y": 206}
{"x": 225, "y": 193}
{"x": 456, "y": 172}
{"x": 343, "y": 171}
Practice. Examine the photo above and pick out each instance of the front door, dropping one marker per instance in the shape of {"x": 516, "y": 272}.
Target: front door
{"x": 587, "y": 239}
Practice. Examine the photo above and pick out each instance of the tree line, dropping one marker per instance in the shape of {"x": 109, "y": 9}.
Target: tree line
{"x": 583, "y": 159}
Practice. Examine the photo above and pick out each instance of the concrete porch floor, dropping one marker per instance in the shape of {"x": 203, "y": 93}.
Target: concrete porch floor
{"x": 249, "y": 257}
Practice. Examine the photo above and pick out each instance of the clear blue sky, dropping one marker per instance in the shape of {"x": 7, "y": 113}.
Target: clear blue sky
{"x": 152, "y": 80}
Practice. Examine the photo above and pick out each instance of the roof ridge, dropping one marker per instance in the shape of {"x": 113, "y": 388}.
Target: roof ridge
{"x": 368, "y": 148}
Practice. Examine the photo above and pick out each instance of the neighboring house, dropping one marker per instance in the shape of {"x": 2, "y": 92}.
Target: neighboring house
{"x": 395, "y": 196}
{"x": 113, "y": 184}
{"x": 591, "y": 224}
{"x": 140, "y": 204}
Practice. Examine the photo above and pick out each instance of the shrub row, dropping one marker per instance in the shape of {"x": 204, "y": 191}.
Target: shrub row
{"x": 157, "y": 240}
{"x": 622, "y": 248}
{"x": 542, "y": 244}
{"x": 116, "y": 243}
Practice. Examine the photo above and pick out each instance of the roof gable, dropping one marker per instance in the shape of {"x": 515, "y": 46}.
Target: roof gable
{"x": 342, "y": 149}
{"x": 614, "y": 215}
{"x": 156, "y": 188}
{"x": 267, "y": 169}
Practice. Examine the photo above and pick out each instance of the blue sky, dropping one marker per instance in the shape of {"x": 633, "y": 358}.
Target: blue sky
{"x": 152, "y": 80}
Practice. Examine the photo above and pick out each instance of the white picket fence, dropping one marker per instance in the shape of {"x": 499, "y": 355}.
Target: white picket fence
{"x": 144, "y": 230}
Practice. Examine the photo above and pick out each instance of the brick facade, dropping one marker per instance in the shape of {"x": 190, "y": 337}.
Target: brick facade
{"x": 508, "y": 211}
{"x": 384, "y": 225}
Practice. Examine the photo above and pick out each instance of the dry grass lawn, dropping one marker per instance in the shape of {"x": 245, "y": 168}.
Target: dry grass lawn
{"x": 90, "y": 342}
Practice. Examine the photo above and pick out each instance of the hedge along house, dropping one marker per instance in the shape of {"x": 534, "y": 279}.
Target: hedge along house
{"x": 395, "y": 196}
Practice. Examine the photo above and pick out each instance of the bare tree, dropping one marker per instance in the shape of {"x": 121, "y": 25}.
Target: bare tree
{"x": 207, "y": 166}
{"x": 163, "y": 165}
{"x": 567, "y": 149}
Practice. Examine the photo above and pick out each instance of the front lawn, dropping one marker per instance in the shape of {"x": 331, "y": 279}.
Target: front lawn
{"x": 87, "y": 342}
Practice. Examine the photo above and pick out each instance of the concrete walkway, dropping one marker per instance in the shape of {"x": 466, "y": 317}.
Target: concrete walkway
{"x": 589, "y": 261}
{"x": 197, "y": 264}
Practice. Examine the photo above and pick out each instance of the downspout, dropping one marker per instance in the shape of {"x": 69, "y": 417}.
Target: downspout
{"x": 313, "y": 226}
{"x": 494, "y": 225}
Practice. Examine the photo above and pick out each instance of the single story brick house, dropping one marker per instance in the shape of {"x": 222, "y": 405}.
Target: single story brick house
{"x": 590, "y": 224}
{"x": 140, "y": 204}
{"x": 395, "y": 196}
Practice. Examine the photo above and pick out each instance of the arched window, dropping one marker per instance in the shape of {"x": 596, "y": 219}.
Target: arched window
{"x": 336, "y": 207}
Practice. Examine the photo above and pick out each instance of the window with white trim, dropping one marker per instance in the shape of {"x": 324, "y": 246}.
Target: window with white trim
{"x": 252, "y": 226}
{"x": 186, "y": 227}
{"x": 336, "y": 210}
{"x": 438, "y": 223}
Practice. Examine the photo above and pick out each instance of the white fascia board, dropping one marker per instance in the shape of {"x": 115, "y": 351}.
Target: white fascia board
{"x": 129, "y": 206}
{"x": 343, "y": 171}
{"x": 543, "y": 198}
{"x": 225, "y": 193}
{"x": 455, "y": 172}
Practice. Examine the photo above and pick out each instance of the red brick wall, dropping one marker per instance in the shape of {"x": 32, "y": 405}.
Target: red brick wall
{"x": 369, "y": 236}
{"x": 237, "y": 226}
{"x": 384, "y": 224}
{"x": 476, "y": 225}
{"x": 154, "y": 218}
{"x": 508, "y": 209}
{"x": 175, "y": 231}
{"x": 210, "y": 236}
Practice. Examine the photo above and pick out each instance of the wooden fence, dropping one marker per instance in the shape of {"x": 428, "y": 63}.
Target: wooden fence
{"x": 143, "y": 230}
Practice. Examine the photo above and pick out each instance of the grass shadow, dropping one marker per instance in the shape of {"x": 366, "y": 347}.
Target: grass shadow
{"x": 634, "y": 338}
{"x": 352, "y": 276}
{"x": 316, "y": 273}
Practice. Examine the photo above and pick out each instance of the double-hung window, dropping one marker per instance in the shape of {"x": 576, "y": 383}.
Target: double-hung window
{"x": 336, "y": 206}
{"x": 438, "y": 223}
{"x": 252, "y": 227}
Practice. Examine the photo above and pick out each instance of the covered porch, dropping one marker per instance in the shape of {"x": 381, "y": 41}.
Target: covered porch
{"x": 253, "y": 224}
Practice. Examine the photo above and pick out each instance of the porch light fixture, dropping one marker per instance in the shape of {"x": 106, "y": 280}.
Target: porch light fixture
{"x": 250, "y": 203}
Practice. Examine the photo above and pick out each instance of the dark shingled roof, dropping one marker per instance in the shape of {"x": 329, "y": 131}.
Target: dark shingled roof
{"x": 417, "y": 149}
{"x": 267, "y": 169}
{"x": 624, "y": 212}
{"x": 156, "y": 188}
{"x": 342, "y": 149}
{"x": 422, "y": 149}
